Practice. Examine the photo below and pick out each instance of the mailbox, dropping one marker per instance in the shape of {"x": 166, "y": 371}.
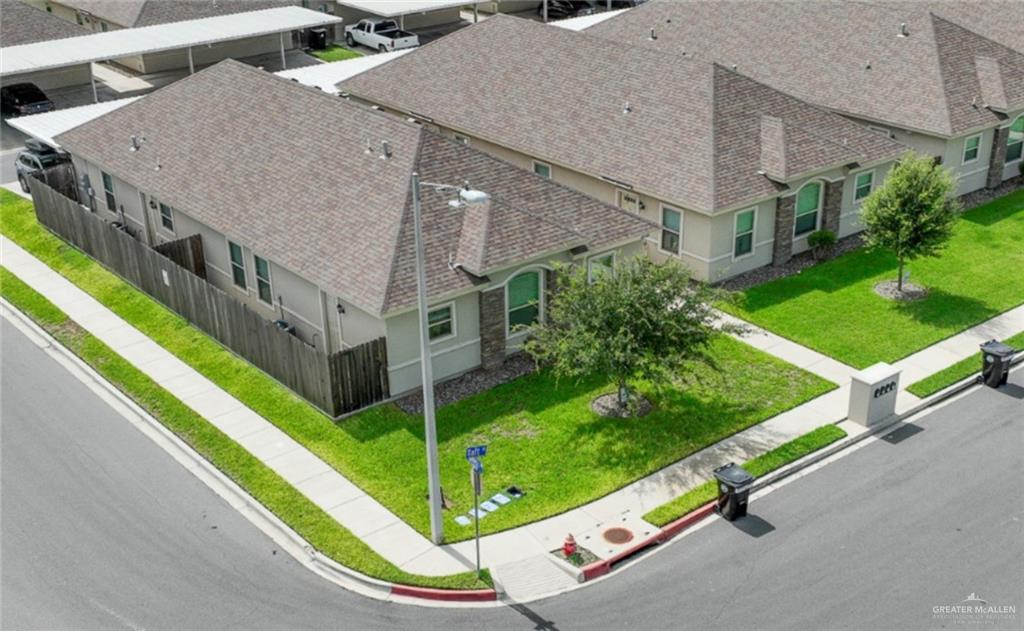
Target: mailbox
{"x": 873, "y": 394}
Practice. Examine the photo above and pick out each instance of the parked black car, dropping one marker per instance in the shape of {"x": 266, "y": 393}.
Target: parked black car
{"x": 19, "y": 99}
{"x": 36, "y": 157}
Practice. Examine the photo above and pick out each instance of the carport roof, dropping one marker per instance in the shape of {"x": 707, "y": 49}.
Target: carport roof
{"x": 328, "y": 76}
{"x": 395, "y": 8}
{"x": 150, "y": 39}
{"x": 48, "y": 125}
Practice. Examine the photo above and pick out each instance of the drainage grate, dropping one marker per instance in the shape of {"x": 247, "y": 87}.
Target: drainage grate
{"x": 617, "y": 536}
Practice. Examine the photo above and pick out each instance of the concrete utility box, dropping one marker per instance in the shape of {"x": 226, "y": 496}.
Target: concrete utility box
{"x": 873, "y": 394}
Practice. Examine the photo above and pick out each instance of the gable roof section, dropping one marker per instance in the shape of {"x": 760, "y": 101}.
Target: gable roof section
{"x": 297, "y": 175}
{"x": 847, "y": 56}
{"x": 133, "y": 13}
{"x": 685, "y": 131}
{"x": 24, "y": 24}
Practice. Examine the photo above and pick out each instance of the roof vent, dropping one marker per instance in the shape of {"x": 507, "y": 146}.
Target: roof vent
{"x": 136, "y": 143}
{"x": 904, "y": 30}
{"x": 867, "y": 66}
{"x": 385, "y": 150}
{"x": 369, "y": 147}
{"x": 627, "y": 108}
{"x": 974, "y": 101}
{"x": 653, "y": 35}
{"x": 734, "y": 66}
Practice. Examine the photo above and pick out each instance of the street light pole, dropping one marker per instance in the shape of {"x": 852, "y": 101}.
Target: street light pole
{"x": 430, "y": 433}
{"x": 466, "y": 196}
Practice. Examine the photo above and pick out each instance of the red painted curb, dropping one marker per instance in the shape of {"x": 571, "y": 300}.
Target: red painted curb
{"x": 600, "y": 568}
{"x": 687, "y": 520}
{"x": 452, "y": 595}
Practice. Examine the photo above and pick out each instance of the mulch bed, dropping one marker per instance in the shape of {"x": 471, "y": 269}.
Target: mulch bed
{"x": 890, "y": 289}
{"x": 473, "y": 382}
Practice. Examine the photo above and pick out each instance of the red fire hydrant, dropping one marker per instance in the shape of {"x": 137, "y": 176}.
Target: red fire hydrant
{"x": 569, "y": 547}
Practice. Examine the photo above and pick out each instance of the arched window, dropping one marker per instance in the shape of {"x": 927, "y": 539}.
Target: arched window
{"x": 523, "y": 299}
{"x": 808, "y": 208}
{"x": 1015, "y": 140}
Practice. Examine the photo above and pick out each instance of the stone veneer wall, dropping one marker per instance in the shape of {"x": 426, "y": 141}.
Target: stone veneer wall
{"x": 492, "y": 328}
{"x": 832, "y": 206}
{"x": 998, "y": 160}
{"x": 782, "y": 249}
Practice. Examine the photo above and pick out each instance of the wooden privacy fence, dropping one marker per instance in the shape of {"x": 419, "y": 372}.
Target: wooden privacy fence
{"x": 337, "y": 383}
{"x": 186, "y": 252}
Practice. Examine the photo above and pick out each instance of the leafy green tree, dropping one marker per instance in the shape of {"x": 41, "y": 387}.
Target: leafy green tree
{"x": 913, "y": 212}
{"x": 638, "y": 320}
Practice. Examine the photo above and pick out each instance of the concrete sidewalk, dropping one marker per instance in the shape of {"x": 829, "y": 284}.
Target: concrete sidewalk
{"x": 512, "y": 553}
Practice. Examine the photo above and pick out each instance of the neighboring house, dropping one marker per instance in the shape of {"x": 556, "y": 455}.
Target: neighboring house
{"x": 946, "y": 78}
{"x": 737, "y": 174}
{"x": 303, "y": 203}
{"x": 109, "y": 15}
{"x": 25, "y": 24}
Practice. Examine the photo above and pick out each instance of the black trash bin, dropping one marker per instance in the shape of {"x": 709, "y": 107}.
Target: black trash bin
{"x": 733, "y": 491}
{"x": 318, "y": 38}
{"x": 995, "y": 363}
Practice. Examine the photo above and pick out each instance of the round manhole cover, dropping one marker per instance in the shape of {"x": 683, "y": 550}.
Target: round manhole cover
{"x": 617, "y": 535}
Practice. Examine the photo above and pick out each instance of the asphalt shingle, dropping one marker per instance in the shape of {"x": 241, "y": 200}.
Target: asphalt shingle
{"x": 21, "y": 23}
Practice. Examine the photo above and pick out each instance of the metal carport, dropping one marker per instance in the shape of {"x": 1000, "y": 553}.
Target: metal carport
{"x": 76, "y": 51}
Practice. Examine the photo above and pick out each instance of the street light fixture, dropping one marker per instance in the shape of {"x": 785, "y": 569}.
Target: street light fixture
{"x": 467, "y": 196}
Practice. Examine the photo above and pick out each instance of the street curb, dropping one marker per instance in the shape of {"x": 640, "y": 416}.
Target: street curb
{"x": 605, "y": 566}
{"x": 226, "y": 488}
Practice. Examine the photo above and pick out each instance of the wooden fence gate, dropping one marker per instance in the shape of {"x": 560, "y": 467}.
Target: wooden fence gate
{"x": 337, "y": 383}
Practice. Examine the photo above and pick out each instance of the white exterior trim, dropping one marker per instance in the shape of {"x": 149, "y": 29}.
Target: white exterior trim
{"x": 753, "y": 234}
{"x": 662, "y": 207}
{"x": 256, "y": 278}
{"x": 819, "y": 211}
{"x": 451, "y": 309}
{"x": 601, "y": 255}
{"x": 963, "y": 152}
{"x": 541, "y": 286}
{"x": 551, "y": 170}
{"x": 856, "y": 174}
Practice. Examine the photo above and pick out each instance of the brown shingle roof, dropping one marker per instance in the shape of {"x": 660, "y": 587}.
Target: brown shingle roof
{"x": 847, "y": 56}
{"x": 133, "y": 13}
{"x": 284, "y": 169}
{"x": 24, "y": 24}
{"x": 689, "y": 135}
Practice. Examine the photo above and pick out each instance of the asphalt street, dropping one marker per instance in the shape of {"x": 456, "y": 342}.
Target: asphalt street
{"x": 102, "y": 530}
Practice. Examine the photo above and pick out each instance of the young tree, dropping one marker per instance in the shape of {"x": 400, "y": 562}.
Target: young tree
{"x": 640, "y": 320}
{"x": 912, "y": 213}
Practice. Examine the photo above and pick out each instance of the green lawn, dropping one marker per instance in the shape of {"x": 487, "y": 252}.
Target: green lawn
{"x": 335, "y": 53}
{"x": 316, "y": 526}
{"x": 832, "y": 307}
{"x": 759, "y": 466}
{"x": 960, "y": 370}
{"x": 542, "y": 435}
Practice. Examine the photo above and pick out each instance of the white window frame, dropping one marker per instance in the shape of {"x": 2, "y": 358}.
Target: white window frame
{"x": 461, "y": 139}
{"x": 619, "y": 193}
{"x": 1021, "y": 142}
{"x": 170, "y": 216}
{"x": 963, "y": 154}
{"x": 753, "y": 233}
{"x": 820, "y": 211}
{"x": 542, "y": 282}
{"x": 232, "y": 265}
{"x": 108, "y": 194}
{"x": 455, "y": 331}
{"x": 881, "y": 130}
{"x": 871, "y": 188}
{"x": 268, "y": 279}
{"x": 592, "y": 259}
{"x": 662, "y": 229}
{"x": 551, "y": 170}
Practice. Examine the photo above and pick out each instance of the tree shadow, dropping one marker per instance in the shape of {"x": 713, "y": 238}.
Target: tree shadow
{"x": 827, "y": 277}
{"x": 943, "y": 309}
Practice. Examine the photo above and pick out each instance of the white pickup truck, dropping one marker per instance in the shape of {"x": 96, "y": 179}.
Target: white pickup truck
{"x": 382, "y": 35}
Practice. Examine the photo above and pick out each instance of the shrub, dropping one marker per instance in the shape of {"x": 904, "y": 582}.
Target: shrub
{"x": 821, "y": 242}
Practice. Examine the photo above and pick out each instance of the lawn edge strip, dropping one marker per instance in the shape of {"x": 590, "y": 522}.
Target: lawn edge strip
{"x": 309, "y": 521}
{"x": 955, "y": 373}
{"x": 772, "y": 460}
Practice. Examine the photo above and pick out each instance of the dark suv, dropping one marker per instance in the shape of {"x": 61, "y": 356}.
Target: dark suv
{"x": 36, "y": 157}
{"x": 20, "y": 99}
